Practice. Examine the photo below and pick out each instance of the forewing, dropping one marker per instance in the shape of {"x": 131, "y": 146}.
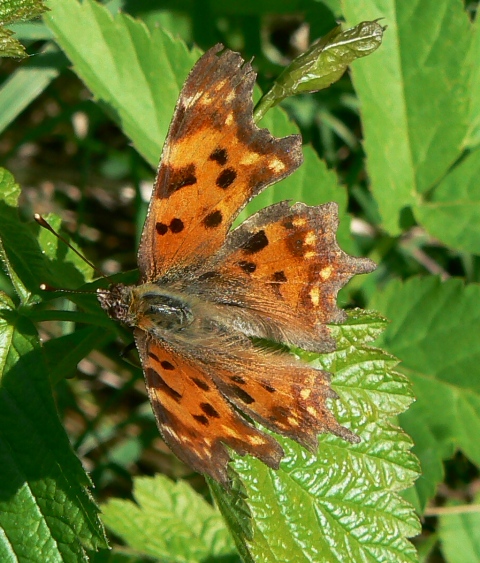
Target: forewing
{"x": 214, "y": 161}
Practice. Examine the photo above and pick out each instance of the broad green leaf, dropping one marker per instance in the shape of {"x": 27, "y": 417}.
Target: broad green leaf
{"x": 27, "y": 83}
{"x": 474, "y": 133}
{"x": 459, "y": 533}
{"x": 170, "y": 522}
{"x": 62, "y": 354}
{"x": 415, "y": 95}
{"x": 46, "y": 511}
{"x": 341, "y": 504}
{"x": 434, "y": 331}
{"x": 452, "y": 211}
{"x": 136, "y": 73}
{"x": 18, "y": 253}
{"x": 28, "y": 261}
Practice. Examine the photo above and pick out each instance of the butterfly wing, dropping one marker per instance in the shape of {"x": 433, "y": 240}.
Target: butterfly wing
{"x": 194, "y": 418}
{"x": 197, "y": 394}
{"x": 214, "y": 161}
{"x": 280, "y": 272}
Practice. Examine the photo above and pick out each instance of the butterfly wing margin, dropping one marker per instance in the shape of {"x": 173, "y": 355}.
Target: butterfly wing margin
{"x": 215, "y": 159}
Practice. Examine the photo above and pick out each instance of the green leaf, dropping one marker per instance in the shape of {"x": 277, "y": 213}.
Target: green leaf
{"x": 46, "y": 511}
{"x": 452, "y": 212}
{"x": 434, "y": 331}
{"x": 170, "y": 522}
{"x": 335, "y": 505}
{"x": 27, "y": 83}
{"x": 415, "y": 99}
{"x": 31, "y": 260}
{"x": 19, "y": 251}
{"x": 62, "y": 354}
{"x": 323, "y": 63}
{"x": 459, "y": 533}
{"x": 140, "y": 87}
{"x": 12, "y": 11}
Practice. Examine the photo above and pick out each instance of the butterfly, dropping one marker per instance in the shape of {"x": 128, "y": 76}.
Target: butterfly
{"x": 206, "y": 292}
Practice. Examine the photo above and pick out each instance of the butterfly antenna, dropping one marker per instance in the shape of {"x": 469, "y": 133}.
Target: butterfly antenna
{"x": 43, "y": 223}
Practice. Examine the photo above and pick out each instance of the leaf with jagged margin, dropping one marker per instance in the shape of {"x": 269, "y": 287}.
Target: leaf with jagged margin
{"x": 171, "y": 522}
{"x": 342, "y": 504}
{"x": 415, "y": 98}
{"x": 434, "y": 331}
{"x": 12, "y": 11}
{"x": 46, "y": 511}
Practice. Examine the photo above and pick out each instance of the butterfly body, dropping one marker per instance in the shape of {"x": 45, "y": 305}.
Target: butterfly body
{"x": 206, "y": 291}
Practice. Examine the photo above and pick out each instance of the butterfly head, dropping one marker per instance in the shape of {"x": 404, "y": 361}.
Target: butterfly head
{"x": 116, "y": 301}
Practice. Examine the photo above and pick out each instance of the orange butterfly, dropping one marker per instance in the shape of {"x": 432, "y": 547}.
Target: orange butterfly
{"x": 205, "y": 291}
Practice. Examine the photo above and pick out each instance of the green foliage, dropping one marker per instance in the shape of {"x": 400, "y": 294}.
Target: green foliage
{"x": 43, "y": 485}
{"x": 170, "y": 522}
{"x": 333, "y": 506}
{"x": 459, "y": 533}
{"x": 411, "y": 198}
{"x": 12, "y": 11}
{"x": 414, "y": 142}
{"x": 434, "y": 330}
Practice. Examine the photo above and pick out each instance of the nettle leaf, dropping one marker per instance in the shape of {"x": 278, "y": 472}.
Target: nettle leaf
{"x": 434, "y": 331}
{"x": 32, "y": 256}
{"x": 46, "y": 511}
{"x": 43, "y": 484}
{"x": 342, "y": 504}
{"x": 417, "y": 94}
{"x": 13, "y": 11}
{"x": 136, "y": 73}
{"x": 170, "y": 522}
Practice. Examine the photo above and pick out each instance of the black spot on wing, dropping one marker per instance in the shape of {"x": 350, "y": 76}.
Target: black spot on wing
{"x": 247, "y": 267}
{"x": 279, "y": 277}
{"x": 242, "y": 395}
{"x": 161, "y": 228}
{"x": 202, "y": 419}
{"x": 178, "y": 178}
{"x": 155, "y": 381}
{"x": 268, "y": 387}
{"x": 255, "y": 243}
{"x": 238, "y": 379}
{"x": 167, "y": 365}
{"x": 176, "y": 225}
{"x": 226, "y": 178}
{"x": 201, "y": 384}
{"x": 219, "y": 155}
{"x": 209, "y": 410}
{"x": 213, "y": 219}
